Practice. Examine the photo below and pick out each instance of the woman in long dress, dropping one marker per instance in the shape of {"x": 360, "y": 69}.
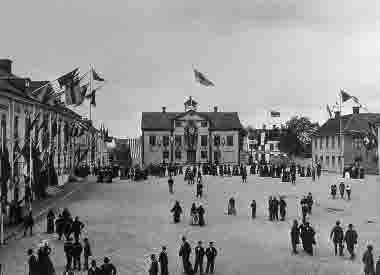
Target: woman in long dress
{"x": 44, "y": 262}
{"x": 194, "y": 214}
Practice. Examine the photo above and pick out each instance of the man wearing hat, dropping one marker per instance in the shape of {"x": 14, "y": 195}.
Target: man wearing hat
{"x": 163, "y": 259}
{"x": 369, "y": 266}
{"x": 94, "y": 270}
{"x": 199, "y": 254}
{"x": 185, "y": 252}
{"x": 33, "y": 263}
{"x": 211, "y": 254}
{"x": 107, "y": 268}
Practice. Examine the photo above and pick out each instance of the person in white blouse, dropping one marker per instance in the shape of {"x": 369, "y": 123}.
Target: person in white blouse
{"x": 348, "y": 190}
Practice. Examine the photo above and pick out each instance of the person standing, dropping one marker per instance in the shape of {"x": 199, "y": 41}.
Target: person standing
{"x": 68, "y": 248}
{"x": 171, "y": 183}
{"x": 76, "y": 228}
{"x": 309, "y": 201}
{"x": 275, "y": 208}
{"x": 33, "y": 263}
{"x": 28, "y": 223}
{"x": 163, "y": 259}
{"x": 153, "y": 270}
{"x": 199, "y": 189}
{"x": 282, "y": 208}
{"x": 270, "y": 208}
{"x": 308, "y": 238}
{"x": 348, "y": 190}
{"x": 177, "y": 211}
{"x": 337, "y": 237}
{"x": 86, "y": 252}
{"x": 367, "y": 259}
{"x": 59, "y": 226}
{"x": 253, "y": 209}
{"x": 107, "y": 268}
{"x": 341, "y": 189}
{"x": 199, "y": 254}
{"x": 185, "y": 252}
{"x": 50, "y": 222}
{"x": 231, "y": 207}
{"x": 295, "y": 236}
{"x": 77, "y": 252}
{"x": 378, "y": 266}
{"x": 201, "y": 217}
{"x": 313, "y": 173}
{"x": 333, "y": 190}
{"x": 319, "y": 170}
{"x": 211, "y": 254}
{"x": 351, "y": 239}
{"x": 94, "y": 270}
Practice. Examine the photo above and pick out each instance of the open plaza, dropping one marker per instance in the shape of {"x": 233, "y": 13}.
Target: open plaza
{"x": 127, "y": 221}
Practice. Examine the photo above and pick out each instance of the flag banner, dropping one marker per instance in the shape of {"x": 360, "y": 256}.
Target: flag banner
{"x": 96, "y": 76}
{"x": 275, "y": 114}
{"x": 45, "y": 93}
{"x": 68, "y": 78}
{"x": 82, "y": 95}
{"x": 329, "y": 110}
{"x": 202, "y": 79}
{"x": 346, "y": 96}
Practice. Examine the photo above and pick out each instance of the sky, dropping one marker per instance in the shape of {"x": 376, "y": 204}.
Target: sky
{"x": 292, "y": 56}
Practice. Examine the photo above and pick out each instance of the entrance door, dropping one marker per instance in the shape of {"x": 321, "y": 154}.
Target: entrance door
{"x": 191, "y": 156}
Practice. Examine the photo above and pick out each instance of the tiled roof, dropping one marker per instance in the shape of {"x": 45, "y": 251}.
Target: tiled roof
{"x": 218, "y": 120}
{"x": 350, "y": 123}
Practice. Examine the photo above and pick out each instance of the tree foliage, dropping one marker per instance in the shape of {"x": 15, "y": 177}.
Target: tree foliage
{"x": 298, "y": 135}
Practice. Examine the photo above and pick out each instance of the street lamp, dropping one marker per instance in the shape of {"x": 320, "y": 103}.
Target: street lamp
{"x": 171, "y": 140}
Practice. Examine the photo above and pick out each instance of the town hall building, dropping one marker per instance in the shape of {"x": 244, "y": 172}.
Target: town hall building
{"x": 191, "y": 136}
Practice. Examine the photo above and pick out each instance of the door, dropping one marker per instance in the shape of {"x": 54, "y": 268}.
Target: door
{"x": 191, "y": 156}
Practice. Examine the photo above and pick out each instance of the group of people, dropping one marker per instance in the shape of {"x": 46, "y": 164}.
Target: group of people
{"x": 275, "y": 206}
{"x": 344, "y": 187}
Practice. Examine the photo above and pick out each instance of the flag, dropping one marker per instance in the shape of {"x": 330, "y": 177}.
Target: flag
{"x": 73, "y": 93}
{"x": 82, "y": 94}
{"x": 202, "y": 79}
{"x": 96, "y": 77}
{"x": 274, "y": 114}
{"x": 346, "y": 96}
{"x": 329, "y": 110}
{"x": 68, "y": 78}
{"x": 45, "y": 93}
{"x": 91, "y": 96}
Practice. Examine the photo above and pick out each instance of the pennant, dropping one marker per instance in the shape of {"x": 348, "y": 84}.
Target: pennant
{"x": 274, "y": 114}
{"x": 329, "y": 110}
{"x": 68, "y": 78}
{"x": 96, "y": 77}
{"x": 202, "y": 79}
{"x": 346, "y": 96}
{"x": 83, "y": 91}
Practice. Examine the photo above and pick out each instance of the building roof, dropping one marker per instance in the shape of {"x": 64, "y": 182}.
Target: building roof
{"x": 163, "y": 121}
{"x": 352, "y": 123}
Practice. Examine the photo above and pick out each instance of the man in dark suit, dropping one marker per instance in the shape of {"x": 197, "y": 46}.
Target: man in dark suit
{"x": 211, "y": 254}
{"x": 185, "y": 252}
{"x": 163, "y": 259}
{"x": 94, "y": 270}
{"x": 199, "y": 254}
{"x": 33, "y": 263}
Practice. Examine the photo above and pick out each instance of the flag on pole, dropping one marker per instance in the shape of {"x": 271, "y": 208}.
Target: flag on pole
{"x": 73, "y": 93}
{"x": 44, "y": 94}
{"x": 329, "y": 110}
{"x": 68, "y": 78}
{"x": 202, "y": 79}
{"x": 91, "y": 96}
{"x": 82, "y": 94}
{"x": 96, "y": 76}
{"x": 275, "y": 114}
{"x": 346, "y": 96}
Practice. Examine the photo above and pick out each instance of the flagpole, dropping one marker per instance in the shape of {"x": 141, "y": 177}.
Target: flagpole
{"x": 30, "y": 163}
{"x": 340, "y": 133}
{"x": 90, "y": 87}
{"x": 2, "y": 195}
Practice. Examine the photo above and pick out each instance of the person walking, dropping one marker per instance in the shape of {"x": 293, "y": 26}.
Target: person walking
{"x": 199, "y": 254}
{"x": 341, "y": 189}
{"x": 275, "y": 208}
{"x": 76, "y": 228}
{"x": 185, "y": 252}
{"x": 77, "y": 252}
{"x": 153, "y": 270}
{"x": 50, "y": 222}
{"x": 308, "y": 238}
{"x": 368, "y": 262}
{"x": 337, "y": 237}
{"x": 107, "y": 267}
{"x": 177, "y": 211}
{"x": 68, "y": 248}
{"x": 351, "y": 239}
{"x": 348, "y": 190}
{"x": 28, "y": 223}
{"x": 201, "y": 213}
{"x": 333, "y": 190}
{"x": 282, "y": 208}
{"x": 211, "y": 254}
{"x": 32, "y": 263}
{"x": 199, "y": 189}
{"x": 163, "y": 259}
{"x": 171, "y": 183}
{"x": 253, "y": 209}
{"x": 295, "y": 236}
{"x": 86, "y": 253}
{"x": 59, "y": 226}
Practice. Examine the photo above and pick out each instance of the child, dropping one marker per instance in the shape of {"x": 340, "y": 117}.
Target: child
{"x": 333, "y": 190}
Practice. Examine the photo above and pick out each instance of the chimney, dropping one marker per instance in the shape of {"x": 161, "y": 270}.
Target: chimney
{"x": 6, "y": 66}
{"x": 215, "y": 109}
{"x": 337, "y": 114}
{"x": 163, "y": 109}
{"x": 355, "y": 110}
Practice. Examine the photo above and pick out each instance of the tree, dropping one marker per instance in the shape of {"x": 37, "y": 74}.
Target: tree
{"x": 297, "y": 137}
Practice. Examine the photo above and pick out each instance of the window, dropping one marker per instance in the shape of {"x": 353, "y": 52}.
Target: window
{"x": 333, "y": 142}
{"x": 165, "y": 140}
{"x": 271, "y": 147}
{"x": 327, "y": 161}
{"x": 165, "y": 154}
{"x": 152, "y": 140}
{"x": 16, "y": 126}
{"x": 230, "y": 141}
{"x": 178, "y": 154}
{"x": 333, "y": 161}
{"x": 327, "y": 142}
{"x": 320, "y": 142}
{"x": 339, "y": 141}
{"x": 178, "y": 124}
{"x": 203, "y": 154}
{"x": 204, "y": 124}
{"x": 216, "y": 140}
{"x": 316, "y": 158}
{"x": 204, "y": 140}
{"x": 178, "y": 140}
